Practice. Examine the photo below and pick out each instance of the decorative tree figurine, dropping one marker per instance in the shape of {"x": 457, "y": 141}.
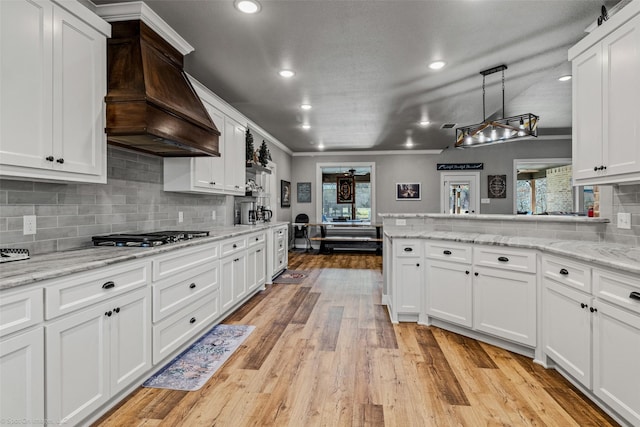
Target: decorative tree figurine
{"x": 263, "y": 155}
{"x": 249, "y": 147}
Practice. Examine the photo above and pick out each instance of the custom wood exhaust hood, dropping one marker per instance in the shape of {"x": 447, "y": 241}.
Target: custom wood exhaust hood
{"x": 150, "y": 103}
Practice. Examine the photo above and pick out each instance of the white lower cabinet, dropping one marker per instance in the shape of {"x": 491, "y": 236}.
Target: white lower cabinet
{"x": 449, "y": 292}
{"x": 233, "y": 279}
{"x": 22, "y": 378}
{"x": 408, "y": 277}
{"x": 256, "y": 267}
{"x": 94, "y": 353}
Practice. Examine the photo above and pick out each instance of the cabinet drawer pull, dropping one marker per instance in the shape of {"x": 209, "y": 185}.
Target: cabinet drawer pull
{"x": 235, "y": 246}
{"x": 466, "y": 272}
{"x": 49, "y": 158}
{"x": 117, "y": 309}
{"x": 595, "y": 169}
{"x": 564, "y": 272}
{"x": 108, "y": 314}
{"x": 259, "y": 250}
{"x": 503, "y": 259}
{"x": 60, "y": 160}
{"x": 192, "y": 286}
{"x": 475, "y": 274}
{"x": 418, "y": 265}
{"x": 408, "y": 249}
{"x": 236, "y": 260}
{"x": 447, "y": 252}
{"x": 257, "y": 238}
{"x": 634, "y": 295}
{"x": 109, "y": 285}
{"x": 583, "y": 305}
{"x": 593, "y": 309}
{"x": 192, "y": 320}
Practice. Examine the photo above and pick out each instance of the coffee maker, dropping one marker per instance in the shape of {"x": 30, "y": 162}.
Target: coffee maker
{"x": 264, "y": 214}
{"x": 248, "y": 213}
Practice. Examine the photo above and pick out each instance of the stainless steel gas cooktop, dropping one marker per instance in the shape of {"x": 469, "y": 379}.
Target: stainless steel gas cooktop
{"x": 147, "y": 239}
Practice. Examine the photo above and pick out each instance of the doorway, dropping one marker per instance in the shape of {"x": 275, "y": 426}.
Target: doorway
{"x": 459, "y": 193}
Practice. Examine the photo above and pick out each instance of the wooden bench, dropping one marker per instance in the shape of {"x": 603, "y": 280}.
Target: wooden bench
{"x": 347, "y": 235}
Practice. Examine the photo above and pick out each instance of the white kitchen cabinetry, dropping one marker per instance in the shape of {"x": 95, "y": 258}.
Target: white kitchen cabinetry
{"x": 21, "y": 357}
{"x": 606, "y": 101}
{"x": 212, "y": 175}
{"x": 93, "y": 354}
{"x": 278, "y": 256}
{"x": 233, "y": 272}
{"x": 256, "y": 261}
{"x": 408, "y": 276}
{"x": 52, "y": 86}
{"x": 449, "y": 291}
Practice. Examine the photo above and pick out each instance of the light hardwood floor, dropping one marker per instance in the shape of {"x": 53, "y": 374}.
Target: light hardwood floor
{"x": 324, "y": 353}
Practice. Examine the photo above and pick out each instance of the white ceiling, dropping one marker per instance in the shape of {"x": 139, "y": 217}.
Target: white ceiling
{"x": 363, "y": 64}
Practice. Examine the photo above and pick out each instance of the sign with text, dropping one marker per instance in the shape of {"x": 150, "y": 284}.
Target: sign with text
{"x": 460, "y": 166}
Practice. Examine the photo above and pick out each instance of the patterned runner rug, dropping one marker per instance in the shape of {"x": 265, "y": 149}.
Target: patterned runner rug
{"x": 292, "y": 276}
{"x": 192, "y": 369}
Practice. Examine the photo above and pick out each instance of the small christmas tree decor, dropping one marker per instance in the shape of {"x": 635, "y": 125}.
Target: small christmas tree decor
{"x": 249, "y": 147}
{"x": 263, "y": 156}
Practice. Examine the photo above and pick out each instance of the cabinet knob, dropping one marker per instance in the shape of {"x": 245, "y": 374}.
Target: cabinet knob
{"x": 259, "y": 250}
{"x": 564, "y": 272}
{"x": 60, "y": 160}
{"x": 192, "y": 320}
{"x": 634, "y": 295}
{"x": 595, "y": 169}
{"x": 475, "y": 274}
{"x": 108, "y": 285}
{"x": 236, "y": 260}
{"x": 583, "y": 305}
{"x": 447, "y": 252}
{"x": 604, "y": 167}
{"x": 192, "y": 286}
{"x": 466, "y": 272}
{"x": 49, "y": 158}
{"x": 108, "y": 313}
{"x": 235, "y": 246}
{"x": 117, "y": 309}
{"x": 418, "y": 265}
{"x": 257, "y": 238}
{"x": 503, "y": 259}
{"x": 593, "y": 309}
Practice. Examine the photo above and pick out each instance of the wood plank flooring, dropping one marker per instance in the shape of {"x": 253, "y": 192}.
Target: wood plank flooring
{"x": 324, "y": 353}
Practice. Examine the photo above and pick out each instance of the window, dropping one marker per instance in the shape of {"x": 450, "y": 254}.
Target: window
{"x": 361, "y": 208}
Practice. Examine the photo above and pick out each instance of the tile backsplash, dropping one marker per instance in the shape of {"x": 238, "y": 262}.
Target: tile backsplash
{"x": 626, "y": 198}
{"x": 67, "y": 215}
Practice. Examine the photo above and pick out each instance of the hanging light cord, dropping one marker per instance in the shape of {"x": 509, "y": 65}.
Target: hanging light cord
{"x": 484, "y": 116}
{"x": 503, "y": 114}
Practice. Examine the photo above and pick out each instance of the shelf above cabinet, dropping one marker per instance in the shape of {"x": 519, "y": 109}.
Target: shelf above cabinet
{"x": 256, "y": 169}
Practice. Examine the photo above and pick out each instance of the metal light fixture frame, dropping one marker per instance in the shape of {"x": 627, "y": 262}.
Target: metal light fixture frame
{"x": 509, "y": 128}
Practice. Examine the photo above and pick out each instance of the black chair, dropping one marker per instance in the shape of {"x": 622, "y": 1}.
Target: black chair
{"x": 301, "y": 231}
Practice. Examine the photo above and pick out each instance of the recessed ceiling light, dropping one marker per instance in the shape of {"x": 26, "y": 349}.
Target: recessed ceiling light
{"x": 305, "y": 107}
{"x": 247, "y": 6}
{"x": 287, "y": 74}
{"x": 436, "y": 65}
{"x": 424, "y": 123}
{"x": 321, "y": 146}
{"x": 306, "y": 126}
{"x": 565, "y": 78}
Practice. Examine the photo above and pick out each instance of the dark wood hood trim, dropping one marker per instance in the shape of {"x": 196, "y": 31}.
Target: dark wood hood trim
{"x": 151, "y": 105}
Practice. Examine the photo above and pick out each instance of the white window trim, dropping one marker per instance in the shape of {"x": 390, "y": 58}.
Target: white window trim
{"x": 319, "y": 167}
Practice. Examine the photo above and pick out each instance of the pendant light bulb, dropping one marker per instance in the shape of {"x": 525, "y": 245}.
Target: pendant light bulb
{"x": 507, "y": 134}
{"x": 468, "y": 140}
{"x": 481, "y": 137}
{"x": 494, "y": 134}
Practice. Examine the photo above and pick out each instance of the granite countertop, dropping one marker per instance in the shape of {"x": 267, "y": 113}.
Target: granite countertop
{"x": 497, "y": 217}
{"x": 619, "y": 257}
{"x": 58, "y": 264}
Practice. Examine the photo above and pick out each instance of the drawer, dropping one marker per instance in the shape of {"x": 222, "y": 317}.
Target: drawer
{"x": 180, "y": 260}
{"x": 506, "y": 259}
{"x": 180, "y": 328}
{"x": 449, "y": 252}
{"x": 20, "y": 310}
{"x": 280, "y": 232}
{"x": 569, "y": 273}
{"x": 408, "y": 248}
{"x": 280, "y": 244}
{"x": 256, "y": 239}
{"x": 231, "y": 246}
{"x": 181, "y": 290}
{"x": 619, "y": 289}
{"x": 81, "y": 290}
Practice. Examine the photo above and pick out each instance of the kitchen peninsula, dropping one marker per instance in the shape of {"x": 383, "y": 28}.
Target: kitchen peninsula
{"x": 515, "y": 282}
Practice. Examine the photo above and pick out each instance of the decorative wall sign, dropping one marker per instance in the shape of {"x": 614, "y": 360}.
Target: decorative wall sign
{"x": 304, "y": 192}
{"x": 285, "y": 194}
{"x": 408, "y": 191}
{"x": 497, "y": 188}
{"x": 460, "y": 166}
{"x": 345, "y": 190}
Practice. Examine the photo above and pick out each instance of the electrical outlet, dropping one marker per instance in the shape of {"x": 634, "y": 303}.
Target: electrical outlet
{"x": 180, "y": 216}
{"x": 624, "y": 220}
{"x": 213, "y": 215}
{"x": 485, "y": 201}
{"x": 401, "y": 222}
{"x": 29, "y": 224}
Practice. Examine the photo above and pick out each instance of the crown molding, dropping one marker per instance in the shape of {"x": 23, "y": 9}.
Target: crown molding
{"x": 364, "y": 153}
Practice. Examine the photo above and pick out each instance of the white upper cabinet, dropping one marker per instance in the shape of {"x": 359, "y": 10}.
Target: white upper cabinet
{"x": 52, "y": 87}
{"x": 213, "y": 175}
{"x": 606, "y": 101}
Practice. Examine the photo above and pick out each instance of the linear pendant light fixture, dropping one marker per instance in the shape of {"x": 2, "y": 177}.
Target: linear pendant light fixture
{"x": 495, "y": 131}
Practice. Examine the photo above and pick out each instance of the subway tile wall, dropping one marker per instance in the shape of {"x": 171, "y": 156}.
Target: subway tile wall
{"x": 626, "y": 198}
{"x": 67, "y": 215}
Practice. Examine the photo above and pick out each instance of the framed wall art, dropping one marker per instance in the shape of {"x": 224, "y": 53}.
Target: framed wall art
{"x": 408, "y": 191}
{"x": 304, "y": 192}
{"x": 497, "y": 188}
{"x": 285, "y": 194}
{"x": 345, "y": 189}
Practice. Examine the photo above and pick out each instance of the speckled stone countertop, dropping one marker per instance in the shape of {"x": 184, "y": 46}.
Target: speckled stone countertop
{"x": 487, "y": 217}
{"x": 58, "y": 264}
{"x": 615, "y": 256}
